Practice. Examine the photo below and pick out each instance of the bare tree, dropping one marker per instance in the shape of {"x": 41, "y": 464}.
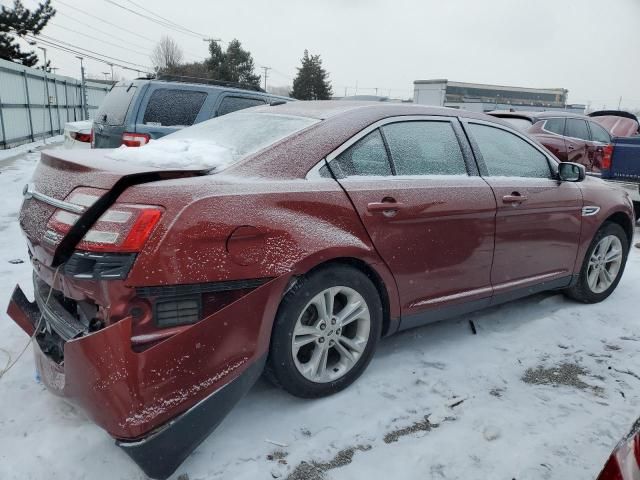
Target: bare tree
{"x": 167, "y": 54}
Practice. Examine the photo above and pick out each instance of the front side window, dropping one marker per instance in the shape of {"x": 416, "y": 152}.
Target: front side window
{"x": 424, "y": 148}
{"x": 367, "y": 157}
{"x": 173, "y": 108}
{"x": 599, "y": 134}
{"x": 233, "y": 104}
{"x": 555, "y": 125}
{"x": 507, "y": 155}
{"x": 577, "y": 128}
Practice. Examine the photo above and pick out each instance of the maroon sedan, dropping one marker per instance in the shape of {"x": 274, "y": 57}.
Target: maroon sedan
{"x": 161, "y": 294}
{"x": 570, "y": 137}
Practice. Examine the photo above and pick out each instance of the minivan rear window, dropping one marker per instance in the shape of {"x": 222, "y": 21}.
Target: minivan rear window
{"x": 115, "y": 105}
{"x": 173, "y": 108}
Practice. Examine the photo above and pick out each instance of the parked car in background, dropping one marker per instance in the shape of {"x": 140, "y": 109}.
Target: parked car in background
{"x": 78, "y": 134}
{"x": 137, "y": 111}
{"x": 588, "y": 141}
{"x": 311, "y": 230}
{"x": 625, "y": 161}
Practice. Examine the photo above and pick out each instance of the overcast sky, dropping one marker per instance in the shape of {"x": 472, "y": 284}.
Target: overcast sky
{"x": 590, "y": 47}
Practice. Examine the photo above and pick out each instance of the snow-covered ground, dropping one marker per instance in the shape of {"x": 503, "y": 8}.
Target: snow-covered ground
{"x": 543, "y": 391}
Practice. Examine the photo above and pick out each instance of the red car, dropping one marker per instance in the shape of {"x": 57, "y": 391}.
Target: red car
{"x": 161, "y": 294}
{"x": 570, "y": 137}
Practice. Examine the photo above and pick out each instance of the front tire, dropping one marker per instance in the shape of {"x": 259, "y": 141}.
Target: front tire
{"x": 603, "y": 265}
{"x": 325, "y": 333}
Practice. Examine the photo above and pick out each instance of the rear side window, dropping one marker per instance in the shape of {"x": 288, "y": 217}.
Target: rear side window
{"x": 555, "y": 125}
{"x": 115, "y": 105}
{"x": 424, "y": 148}
{"x": 366, "y": 157}
{"x": 233, "y": 104}
{"x": 599, "y": 134}
{"x": 507, "y": 155}
{"x": 577, "y": 128}
{"x": 173, "y": 108}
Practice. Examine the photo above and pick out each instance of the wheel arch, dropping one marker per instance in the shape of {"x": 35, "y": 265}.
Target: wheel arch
{"x": 622, "y": 219}
{"x": 388, "y": 325}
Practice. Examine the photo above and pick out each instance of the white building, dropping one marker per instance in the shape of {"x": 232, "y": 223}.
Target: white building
{"x": 485, "y": 98}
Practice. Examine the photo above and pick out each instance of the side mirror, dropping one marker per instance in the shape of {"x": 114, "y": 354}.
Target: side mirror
{"x": 571, "y": 172}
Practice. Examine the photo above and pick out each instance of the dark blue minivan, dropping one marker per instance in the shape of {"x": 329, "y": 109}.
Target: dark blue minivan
{"x": 134, "y": 112}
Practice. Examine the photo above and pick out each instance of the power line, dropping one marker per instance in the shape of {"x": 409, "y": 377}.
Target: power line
{"x": 69, "y": 17}
{"x": 165, "y": 19}
{"x": 159, "y": 22}
{"x": 71, "y": 45}
{"x": 124, "y": 47}
{"x": 60, "y": 45}
{"x": 76, "y": 10}
{"x": 110, "y": 34}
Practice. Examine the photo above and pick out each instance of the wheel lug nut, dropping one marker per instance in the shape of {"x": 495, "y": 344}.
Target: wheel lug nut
{"x": 322, "y": 326}
{"x": 321, "y": 340}
{"x": 333, "y": 321}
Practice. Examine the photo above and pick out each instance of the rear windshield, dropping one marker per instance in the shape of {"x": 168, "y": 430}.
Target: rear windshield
{"x": 216, "y": 143}
{"x": 244, "y": 133}
{"x": 521, "y": 124}
{"x": 115, "y": 105}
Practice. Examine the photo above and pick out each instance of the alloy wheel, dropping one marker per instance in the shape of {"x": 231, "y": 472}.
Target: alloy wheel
{"x": 331, "y": 334}
{"x": 604, "y": 264}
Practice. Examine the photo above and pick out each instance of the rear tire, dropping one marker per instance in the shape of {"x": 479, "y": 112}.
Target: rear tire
{"x": 603, "y": 265}
{"x": 325, "y": 333}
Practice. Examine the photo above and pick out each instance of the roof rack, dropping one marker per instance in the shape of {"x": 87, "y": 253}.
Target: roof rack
{"x": 208, "y": 81}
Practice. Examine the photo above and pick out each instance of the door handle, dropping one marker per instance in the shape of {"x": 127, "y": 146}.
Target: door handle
{"x": 514, "y": 198}
{"x": 571, "y": 147}
{"x": 384, "y": 206}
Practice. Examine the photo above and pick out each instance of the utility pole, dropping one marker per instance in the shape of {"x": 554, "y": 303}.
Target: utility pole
{"x": 83, "y": 89}
{"x": 266, "y": 70}
{"x": 619, "y": 102}
{"x": 46, "y": 83}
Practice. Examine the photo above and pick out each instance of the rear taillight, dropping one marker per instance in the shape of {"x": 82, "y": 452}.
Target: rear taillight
{"x": 607, "y": 154}
{"x": 81, "y": 137}
{"x": 135, "y": 139}
{"x": 122, "y": 228}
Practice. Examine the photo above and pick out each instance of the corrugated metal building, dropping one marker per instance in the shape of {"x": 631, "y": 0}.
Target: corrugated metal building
{"x": 32, "y": 107}
{"x": 479, "y": 97}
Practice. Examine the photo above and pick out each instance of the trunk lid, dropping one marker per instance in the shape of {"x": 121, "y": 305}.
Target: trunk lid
{"x": 62, "y": 180}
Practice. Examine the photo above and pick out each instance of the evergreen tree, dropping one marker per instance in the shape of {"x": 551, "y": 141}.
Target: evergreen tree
{"x": 233, "y": 65}
{"x": 20, "y": 21}
{"x": 312, "y": 81}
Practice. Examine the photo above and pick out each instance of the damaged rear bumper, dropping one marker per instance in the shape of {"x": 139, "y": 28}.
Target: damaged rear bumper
{"x": 160, "y": 403}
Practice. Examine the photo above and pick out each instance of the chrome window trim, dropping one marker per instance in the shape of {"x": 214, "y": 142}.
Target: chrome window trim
{"x": 314, "y": 172}
{"x": 381, "y": 123}
{"x": 553, "y": 161}
{"x": 29, "y": 192}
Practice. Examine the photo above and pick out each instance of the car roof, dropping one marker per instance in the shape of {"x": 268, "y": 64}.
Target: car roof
{"x": 326, "y": 109}
{"x": 537, "y": 115}
{"x": 177, "y": 85}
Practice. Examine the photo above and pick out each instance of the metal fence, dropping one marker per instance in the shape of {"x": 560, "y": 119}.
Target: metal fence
{"x": 34, "y": 105}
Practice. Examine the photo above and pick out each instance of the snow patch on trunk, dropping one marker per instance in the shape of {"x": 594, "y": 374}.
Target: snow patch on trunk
{"x": 176, "y": 153}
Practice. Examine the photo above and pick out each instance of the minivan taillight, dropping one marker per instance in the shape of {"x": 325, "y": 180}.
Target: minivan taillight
{"x": 81, "y": 137}
{"x": 135, "y": 139}
{"x": 607, "y": 154}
